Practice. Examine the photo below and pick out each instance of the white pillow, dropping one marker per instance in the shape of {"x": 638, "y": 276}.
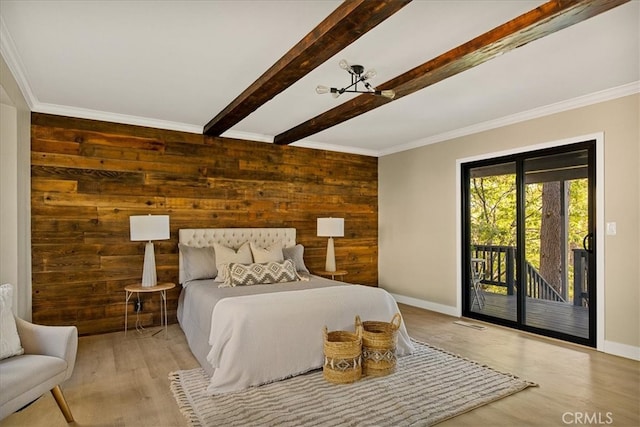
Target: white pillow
{"x": 225, "y": 255}
{"x": 9, "y": 338}
{"x": 271, "y": 254}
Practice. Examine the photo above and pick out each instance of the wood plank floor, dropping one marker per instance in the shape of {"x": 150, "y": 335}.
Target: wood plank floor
{"x": 550, "y": 315}
{"x": 122, "y": 381}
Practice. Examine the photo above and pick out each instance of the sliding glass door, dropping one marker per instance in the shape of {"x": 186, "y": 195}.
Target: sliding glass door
{"x": 492, "y": 229}
{"x": 529, "y": 250}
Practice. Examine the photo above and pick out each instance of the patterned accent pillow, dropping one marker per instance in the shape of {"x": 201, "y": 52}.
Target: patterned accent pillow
{"x": 261, "y": 273}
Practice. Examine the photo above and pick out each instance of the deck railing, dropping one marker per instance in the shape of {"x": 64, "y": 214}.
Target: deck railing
{"x": 538, "y": 287}
{"x": 500, "y": 265}
{"x": 499, "y": 270}
{"x": 580, "y": 275}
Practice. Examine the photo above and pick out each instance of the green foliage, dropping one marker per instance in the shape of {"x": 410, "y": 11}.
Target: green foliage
{"x": 493, "y": 215}
{"x": 493, "y": 209}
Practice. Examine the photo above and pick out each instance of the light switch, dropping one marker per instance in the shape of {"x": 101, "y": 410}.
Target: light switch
{"x": 611, "y": 229}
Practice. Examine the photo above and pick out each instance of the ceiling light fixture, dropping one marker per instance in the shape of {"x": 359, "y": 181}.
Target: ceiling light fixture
{"x": 357, "y": 75}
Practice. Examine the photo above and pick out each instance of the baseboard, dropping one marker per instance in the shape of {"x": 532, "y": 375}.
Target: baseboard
{"x": 610, "y": 347}
{"x": 427, "y": 305}
{"x": 622, "y": 350}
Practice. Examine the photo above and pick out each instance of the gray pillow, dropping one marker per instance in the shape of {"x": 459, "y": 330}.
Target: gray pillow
{"x": 295, "y": 254}
{"x": 198, "y": 263}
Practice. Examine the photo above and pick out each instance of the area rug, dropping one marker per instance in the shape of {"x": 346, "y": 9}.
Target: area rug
{"x": 428, "y": 387}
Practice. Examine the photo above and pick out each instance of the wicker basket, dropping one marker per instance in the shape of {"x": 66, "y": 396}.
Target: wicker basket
{"x": 342, "y": 356}
{"x": 379, "y": 346}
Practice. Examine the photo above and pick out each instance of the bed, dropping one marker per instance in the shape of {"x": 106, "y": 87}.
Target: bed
{"x": 246, "y": 336}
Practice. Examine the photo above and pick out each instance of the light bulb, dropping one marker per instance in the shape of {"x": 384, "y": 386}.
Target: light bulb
{"x": 388, "y": 94}
{"x": 369, "y": 74}
{"x": 344, "y": 64}
{"x": 322, "y": 89}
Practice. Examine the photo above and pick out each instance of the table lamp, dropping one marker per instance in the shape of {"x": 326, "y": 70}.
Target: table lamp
{"x": 330, "y": 227}
{"x": 148, "y": 228}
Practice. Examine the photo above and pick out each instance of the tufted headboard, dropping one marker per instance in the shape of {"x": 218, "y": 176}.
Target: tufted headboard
{"x": 233, "y": 238}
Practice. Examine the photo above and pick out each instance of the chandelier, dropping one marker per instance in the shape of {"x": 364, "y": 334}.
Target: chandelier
{"x": 357, "y": 76}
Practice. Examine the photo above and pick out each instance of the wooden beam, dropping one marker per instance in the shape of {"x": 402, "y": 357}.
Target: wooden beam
{"x": 346, "y": 24}
{"x": 544, "y": 20}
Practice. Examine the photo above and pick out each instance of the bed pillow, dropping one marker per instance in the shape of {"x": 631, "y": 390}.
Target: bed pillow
{"x": 260, "y": 273}
{"x": 296, "y": 254}
{"x": 9, "y": 339}
{"x": 271, "y": 254}
{"x": 225, "y": 255}
{"x": 198, "y": 263}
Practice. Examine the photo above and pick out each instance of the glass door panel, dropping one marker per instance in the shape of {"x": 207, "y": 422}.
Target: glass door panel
{"x": 491, "y": 285}
{"x": 556, "y": 223}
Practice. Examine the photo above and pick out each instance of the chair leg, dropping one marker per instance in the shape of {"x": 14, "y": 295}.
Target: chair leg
{"x": 62, "y": 403}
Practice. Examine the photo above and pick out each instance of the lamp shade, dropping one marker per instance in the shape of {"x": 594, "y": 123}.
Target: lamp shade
{"x": 149, "y": 227}
{"x": 330, "y": 227}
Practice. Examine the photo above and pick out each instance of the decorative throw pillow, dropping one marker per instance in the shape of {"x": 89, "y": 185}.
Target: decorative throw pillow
{"x": 296, "y": 254}
{"x": 9, "y": 338}
{"x": 198, "y": 263}
{"x": 257, "y": 274}
{"x": 225, "y": 255}
{"x": 271, "y": 254}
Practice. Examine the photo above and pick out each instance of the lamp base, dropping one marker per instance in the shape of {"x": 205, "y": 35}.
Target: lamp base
{"x": 330, "y": 264}
{"x": 149, "y": 277}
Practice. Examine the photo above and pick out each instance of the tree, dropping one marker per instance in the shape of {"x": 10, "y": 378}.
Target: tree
{"x": 551, "y": 235}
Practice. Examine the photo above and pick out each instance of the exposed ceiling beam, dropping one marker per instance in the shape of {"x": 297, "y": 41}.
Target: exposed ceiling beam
{"x": 544, "y": 20}
{"x": 343, "y": 26}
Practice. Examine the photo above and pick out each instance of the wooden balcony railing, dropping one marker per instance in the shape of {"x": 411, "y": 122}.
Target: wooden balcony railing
{"x": 580, "y": 276}
{"x": 499, "y": 270}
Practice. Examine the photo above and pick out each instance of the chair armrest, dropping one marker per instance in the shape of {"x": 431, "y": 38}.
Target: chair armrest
{"x": 57, "y": 341}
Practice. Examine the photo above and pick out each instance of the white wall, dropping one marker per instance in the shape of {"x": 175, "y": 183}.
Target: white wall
{"x": 8, "y": 192}
{"x": 15, "y": 191}
{"x": 417, "y": 211}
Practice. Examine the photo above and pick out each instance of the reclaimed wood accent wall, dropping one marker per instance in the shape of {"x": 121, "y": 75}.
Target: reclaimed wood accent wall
{"x": 89, "y": 176}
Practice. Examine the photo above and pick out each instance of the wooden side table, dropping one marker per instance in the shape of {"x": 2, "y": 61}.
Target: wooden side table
{"x": 137, "y": 289}
{"x": 333, "y": 274}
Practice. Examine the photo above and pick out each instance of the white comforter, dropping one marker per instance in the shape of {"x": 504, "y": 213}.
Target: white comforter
{"x": 257, "y": 339}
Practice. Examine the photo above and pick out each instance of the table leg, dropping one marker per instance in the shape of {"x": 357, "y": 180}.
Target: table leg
{"x": 163, "y": 311}
{"x": 127, "y": 295}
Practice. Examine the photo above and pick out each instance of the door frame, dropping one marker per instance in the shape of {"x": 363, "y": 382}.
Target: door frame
{"x": 599, "y": 223}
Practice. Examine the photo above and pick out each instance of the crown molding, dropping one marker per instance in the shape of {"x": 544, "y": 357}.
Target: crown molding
{"x": 85, "y": 113}
{"x": 332, "y": 147}
{"x": 10, "y": 54}
{"x": 547, "y": 110}
{"x": 258, "y": 137}
{"x": 302, "y": 143}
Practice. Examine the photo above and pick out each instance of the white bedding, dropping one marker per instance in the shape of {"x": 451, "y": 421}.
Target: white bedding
{"x": 249, "y": 335}
{"x": 257, "y": 339}
{"x": 198, "y": 298}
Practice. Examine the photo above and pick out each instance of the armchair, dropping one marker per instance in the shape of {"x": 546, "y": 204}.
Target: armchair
{"x": 48, "y": 360}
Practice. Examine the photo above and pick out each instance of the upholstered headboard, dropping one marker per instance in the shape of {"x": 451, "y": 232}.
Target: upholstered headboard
{"x": 233, "y": 238}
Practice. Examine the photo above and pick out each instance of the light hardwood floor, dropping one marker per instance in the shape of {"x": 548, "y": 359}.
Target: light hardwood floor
{"x": 122, "y": 381}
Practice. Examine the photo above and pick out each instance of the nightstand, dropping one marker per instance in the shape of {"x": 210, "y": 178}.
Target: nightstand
{"x": 332, "y": 274}
{"x": 162, "y": 288}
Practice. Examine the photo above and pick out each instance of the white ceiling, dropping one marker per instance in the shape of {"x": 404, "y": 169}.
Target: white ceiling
{"x": 176, "y": 64}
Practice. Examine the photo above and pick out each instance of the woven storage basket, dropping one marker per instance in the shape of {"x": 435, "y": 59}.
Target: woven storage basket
{"x": 379, "y": 346}
{"x": 342, "y": 356}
